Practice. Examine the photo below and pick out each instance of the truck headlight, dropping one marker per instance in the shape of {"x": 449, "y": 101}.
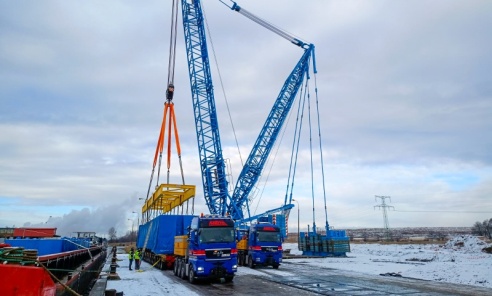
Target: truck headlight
{"x": 200, "y": 268}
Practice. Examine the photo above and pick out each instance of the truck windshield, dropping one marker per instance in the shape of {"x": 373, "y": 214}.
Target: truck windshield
{"x": 269, "y": 236}
{"x": 217, "y": 234}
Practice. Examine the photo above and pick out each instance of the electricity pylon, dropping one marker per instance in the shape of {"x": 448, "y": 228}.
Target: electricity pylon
{"x": 384, "y": 206}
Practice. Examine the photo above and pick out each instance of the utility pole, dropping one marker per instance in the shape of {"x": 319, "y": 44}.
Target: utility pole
{"x": 298, "y": 223}
{"x": 384, "y": 206}
{"x": 132, "y": 234}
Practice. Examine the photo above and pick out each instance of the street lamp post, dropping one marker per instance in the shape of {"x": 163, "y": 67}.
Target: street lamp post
{"x": 138, "y": 218}
{"x": 138, "y": 226}
{"x": 298, "y": 225}
{"x": 132, "y": 234}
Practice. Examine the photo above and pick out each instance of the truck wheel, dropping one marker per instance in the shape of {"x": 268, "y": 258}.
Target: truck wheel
{"x": 182, "y": 270}
{"x": 229, "y": 279}
{"x": 275, "y": 266}
{"x": 191, "y": 275}
{"x": 250, "y": 262}
{"x": 175, "y": 269}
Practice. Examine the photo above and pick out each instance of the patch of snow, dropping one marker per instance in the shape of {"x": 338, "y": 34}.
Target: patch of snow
{"x": 459, "y": 261}
{"x": 149, "y": 281}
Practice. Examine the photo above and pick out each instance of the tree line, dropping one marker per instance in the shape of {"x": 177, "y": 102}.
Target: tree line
{"x": 483, "y": 228}
{"x": 130, "y": 236}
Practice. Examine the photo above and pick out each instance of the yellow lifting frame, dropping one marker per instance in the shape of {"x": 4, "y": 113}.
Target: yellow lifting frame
{"x": 168, "y": 196}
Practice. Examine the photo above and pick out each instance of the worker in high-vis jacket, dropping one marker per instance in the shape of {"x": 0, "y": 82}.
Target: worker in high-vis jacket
{"x": 131, "y": 256}
{"x": 137, "y": 259}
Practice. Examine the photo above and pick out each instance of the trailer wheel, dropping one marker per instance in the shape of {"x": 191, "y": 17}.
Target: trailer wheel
{"x": 251, "y": 264}
{"x": 191, "y": 275}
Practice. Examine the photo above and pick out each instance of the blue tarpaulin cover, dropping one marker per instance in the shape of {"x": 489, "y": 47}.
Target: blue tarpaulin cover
{"x": 48, "y": 246}
{"x": 162, "y": 230}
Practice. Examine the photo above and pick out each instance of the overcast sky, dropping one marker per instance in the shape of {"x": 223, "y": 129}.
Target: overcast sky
{"x": 404, "y": 89}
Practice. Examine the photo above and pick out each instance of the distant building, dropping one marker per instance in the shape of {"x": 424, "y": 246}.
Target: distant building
{"x": 6, "y": 232}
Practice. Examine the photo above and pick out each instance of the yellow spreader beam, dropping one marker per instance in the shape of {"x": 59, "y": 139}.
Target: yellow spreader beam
{"x": 168, "y": 196}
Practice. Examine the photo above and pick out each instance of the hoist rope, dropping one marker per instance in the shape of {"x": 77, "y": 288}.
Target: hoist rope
{"x": 172, "y": 43}
{"x": 297, "y": 140}
{"x": 311, "y": 157}
{"x": 170, "y": 123}
{"x": 278, "y": 144}
{"x": 291, "y": 175}
{"x": 321, "y": 154}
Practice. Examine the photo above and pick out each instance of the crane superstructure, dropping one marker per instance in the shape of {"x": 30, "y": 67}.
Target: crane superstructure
{"x": 213, "y": 168}
{"x": 207, "y": 130}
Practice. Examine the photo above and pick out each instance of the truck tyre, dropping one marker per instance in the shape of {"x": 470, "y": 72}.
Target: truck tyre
{"x": 191, "y": 275}
{"x": 229, "y": 278}
{"x": 275, "y": 266}
{"x": 182, "y": 270}
{"x": 175, "y": 269}
{"x": 251, "y": 264}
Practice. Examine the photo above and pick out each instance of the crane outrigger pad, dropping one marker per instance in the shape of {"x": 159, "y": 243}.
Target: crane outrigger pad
{"x": 168, "y": 196}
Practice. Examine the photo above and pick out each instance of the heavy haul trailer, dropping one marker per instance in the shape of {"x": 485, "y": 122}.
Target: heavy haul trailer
{"x": 260, "y": 245}
{"x": 195, "y": 247}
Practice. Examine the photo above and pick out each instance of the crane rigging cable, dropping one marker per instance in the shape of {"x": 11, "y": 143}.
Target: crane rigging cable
{"x": 222, "y": 85}
{"x": 327, "y": 225}
{"x": 172, "y": 43}
{"x": 267, "y": 25}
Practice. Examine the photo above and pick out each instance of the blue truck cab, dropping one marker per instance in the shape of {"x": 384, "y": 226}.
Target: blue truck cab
{"x": 260, "y": 245}
{"x": 208, "y": 251}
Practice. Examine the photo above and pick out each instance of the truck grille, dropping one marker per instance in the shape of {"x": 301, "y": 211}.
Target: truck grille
{"x": 218, "y": 254}
{"x": 269, "y": 249}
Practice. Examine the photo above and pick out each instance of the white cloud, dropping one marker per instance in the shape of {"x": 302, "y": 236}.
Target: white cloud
{"x": 403, "y": 91}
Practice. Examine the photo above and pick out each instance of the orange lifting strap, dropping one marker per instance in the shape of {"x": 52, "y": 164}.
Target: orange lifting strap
{"x": 168, "y": 196}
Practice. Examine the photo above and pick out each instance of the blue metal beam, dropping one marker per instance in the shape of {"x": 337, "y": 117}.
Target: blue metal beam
{"x": 207, "y": 129}
{"x": 268, "y": 135}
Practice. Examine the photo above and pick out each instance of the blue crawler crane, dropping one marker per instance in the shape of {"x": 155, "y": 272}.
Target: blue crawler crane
{"x": 213, "y": 169}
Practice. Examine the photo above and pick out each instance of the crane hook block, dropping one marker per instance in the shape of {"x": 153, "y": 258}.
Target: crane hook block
{"x": 170, "y": 92}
